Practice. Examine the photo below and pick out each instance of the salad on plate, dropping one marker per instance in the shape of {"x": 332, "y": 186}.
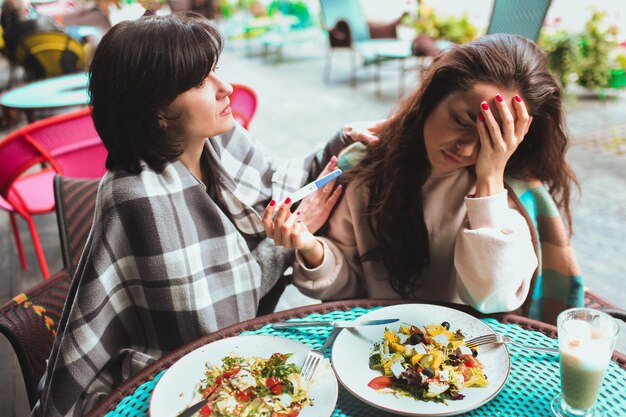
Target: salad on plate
{"x": 252, "y": 387}
{"x": 429, "y": 363}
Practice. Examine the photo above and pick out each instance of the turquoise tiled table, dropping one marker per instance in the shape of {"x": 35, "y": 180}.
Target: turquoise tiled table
{"x": 532, "y": 383}
{"x": 51, "y": 93}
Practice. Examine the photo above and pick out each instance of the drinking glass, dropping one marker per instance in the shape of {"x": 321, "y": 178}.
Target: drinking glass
{"x": 586, "y": 341}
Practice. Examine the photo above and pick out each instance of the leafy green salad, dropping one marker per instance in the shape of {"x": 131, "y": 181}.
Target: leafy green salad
{"x": 253, "y": 387}
{"x": 429, "y": 364}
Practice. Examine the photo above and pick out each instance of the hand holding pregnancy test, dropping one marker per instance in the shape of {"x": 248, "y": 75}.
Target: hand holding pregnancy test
{"x": 294, "y": 230}
{"x": 311, "y": 187}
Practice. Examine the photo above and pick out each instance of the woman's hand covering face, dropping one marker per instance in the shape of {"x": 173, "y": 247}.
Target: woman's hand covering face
{"x": 498, "y": 140}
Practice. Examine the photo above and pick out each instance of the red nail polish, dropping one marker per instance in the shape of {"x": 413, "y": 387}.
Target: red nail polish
{"x": 297, "y": 213}
{"x": 272, "y": 203}
{"x": 518, "y": 99}
{"x": 481, "y": 118}
{"x": 484, "y": 105}
{"x": 288, "y": 200}
{"x": 299, "y": 221}
{"x": 499, "y": 98}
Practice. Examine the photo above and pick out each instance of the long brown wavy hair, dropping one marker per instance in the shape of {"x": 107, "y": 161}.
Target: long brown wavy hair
{"x": 397, "y": 167}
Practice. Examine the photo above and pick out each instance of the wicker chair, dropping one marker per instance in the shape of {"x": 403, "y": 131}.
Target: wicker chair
{"x": 29, "y": 321}
{"x": 75, "y": 201}
{"x": 596, "y": 302}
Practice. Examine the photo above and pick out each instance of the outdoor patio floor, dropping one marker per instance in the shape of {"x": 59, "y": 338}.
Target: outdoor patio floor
{"x": 298, "y": 110}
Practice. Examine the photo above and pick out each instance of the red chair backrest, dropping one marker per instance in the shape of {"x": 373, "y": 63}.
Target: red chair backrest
{"x": 17, "y": 155}
{"x": 243, "y": 102}
{"x": 72, "y": 142}
{"x": 67, "y": 144}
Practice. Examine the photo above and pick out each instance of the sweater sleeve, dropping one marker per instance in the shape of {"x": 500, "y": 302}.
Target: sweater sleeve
{"x": 339, "y": 275}
{"x": 494, "y": 255}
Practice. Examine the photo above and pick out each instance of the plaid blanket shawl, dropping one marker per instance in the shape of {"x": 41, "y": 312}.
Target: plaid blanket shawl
{"x": 165, "y": 264}
{"x": 557, "y": 284}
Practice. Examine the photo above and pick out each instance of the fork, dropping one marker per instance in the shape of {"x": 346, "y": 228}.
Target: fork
{"x": 315, "y": 357}
{"x": 499, "y": 338}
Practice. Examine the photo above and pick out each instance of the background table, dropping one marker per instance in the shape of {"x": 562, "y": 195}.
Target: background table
{"x": 52, "y": 93}
{"x": 533, "y": 382}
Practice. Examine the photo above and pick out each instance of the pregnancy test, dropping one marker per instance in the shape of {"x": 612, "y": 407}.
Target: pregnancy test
{"x": 314, "y": 186}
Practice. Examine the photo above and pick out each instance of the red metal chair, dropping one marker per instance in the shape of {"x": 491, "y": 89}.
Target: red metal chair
{"x": 243, "y": 102}
{"x": 67, "y": 144}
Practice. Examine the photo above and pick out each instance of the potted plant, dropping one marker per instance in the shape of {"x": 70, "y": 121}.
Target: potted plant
{"x": 563, "y": 53}
{"x": 584, "y": 57}
{"x": 450, "y": 28}
{"x": 597, "y": 44}
{"x": 617, "y": 75}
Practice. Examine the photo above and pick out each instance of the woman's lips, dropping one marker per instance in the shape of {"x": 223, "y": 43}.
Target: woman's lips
{"x": 451, "y": 158}
{"x": 227, "y": 110}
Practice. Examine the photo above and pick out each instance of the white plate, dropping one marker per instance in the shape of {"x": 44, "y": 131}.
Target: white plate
{"x": 351, "y": 350}
{"x": 175, "y": 390}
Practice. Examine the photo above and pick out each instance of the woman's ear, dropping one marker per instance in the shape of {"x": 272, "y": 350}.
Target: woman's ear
{"x": 162, "y": 120}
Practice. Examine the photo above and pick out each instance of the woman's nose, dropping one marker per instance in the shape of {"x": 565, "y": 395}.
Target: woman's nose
{"x": 466, "y": 148}
{"x": 225, "y": 89}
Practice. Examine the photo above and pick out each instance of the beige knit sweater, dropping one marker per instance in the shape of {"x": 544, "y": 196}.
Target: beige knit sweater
{"x": 481, "y": 249}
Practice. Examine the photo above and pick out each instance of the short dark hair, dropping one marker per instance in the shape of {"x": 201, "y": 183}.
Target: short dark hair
{"x": 140, "y": 67}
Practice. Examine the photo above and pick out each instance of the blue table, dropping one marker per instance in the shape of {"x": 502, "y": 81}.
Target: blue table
{"x": 533, "y": 382}
{"x": 52, "y": 93}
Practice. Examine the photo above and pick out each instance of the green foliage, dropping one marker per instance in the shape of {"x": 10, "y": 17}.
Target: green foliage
{"x": 228, "y": 8}
{"x": 292, "y": 8}
{"x": 596, "y": 45}
{"x": 585, "y": 56}
{"x": 562, "y": 49}
{"x": 452, "y": 28}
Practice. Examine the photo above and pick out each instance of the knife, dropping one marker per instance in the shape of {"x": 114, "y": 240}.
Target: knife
{"x": 193, "y": 409}
{"x": 342, "y": 324}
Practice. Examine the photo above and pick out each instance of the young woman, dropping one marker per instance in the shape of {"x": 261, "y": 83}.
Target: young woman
{"x": 430, "y": 211}
{"x": 177, "y": 248}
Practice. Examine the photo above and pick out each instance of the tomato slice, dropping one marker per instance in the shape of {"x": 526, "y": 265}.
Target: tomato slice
{"x": 206, "y": 410}
{"x": 380, "y": 382}
{"x": 280, "y": 356}
{"x": 209, "y": 390}
{"x": 230, "y": 373}
{"x": 245, "y": 396}
{"x": 272, "y": 381}
{"x": 472, "y": 362}
{"x": 295, "y": 411}
{"x": 464, "y": 370}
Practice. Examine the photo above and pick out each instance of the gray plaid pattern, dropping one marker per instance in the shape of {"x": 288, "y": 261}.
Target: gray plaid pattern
{"x": 165, "y": 264}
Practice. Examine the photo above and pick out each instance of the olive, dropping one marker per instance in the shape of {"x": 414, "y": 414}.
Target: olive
{"x": 429, "y": 372}
{"x": 446, "y": 325}
{"x": 474, "y": 352}
{"x": 416, "y": 338}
